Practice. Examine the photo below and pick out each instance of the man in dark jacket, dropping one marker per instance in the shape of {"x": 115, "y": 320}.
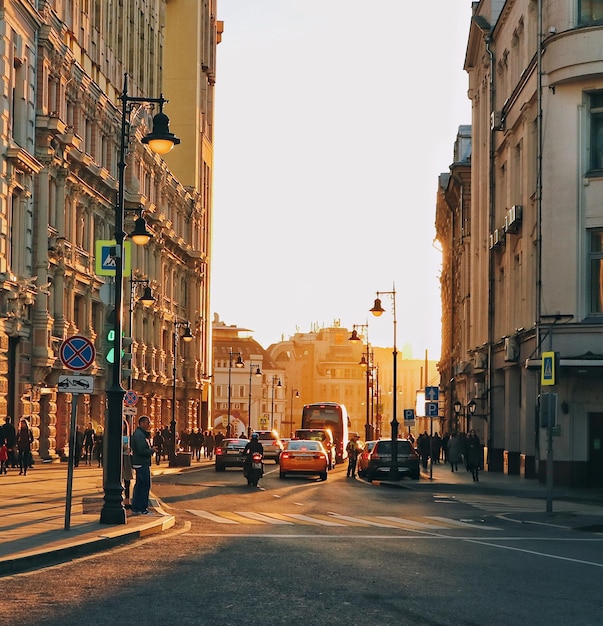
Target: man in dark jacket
{"x": 9, "y": 434}
{"x": 142, "y": 451}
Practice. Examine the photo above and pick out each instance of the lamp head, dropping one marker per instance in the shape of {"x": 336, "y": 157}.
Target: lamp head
{"x": 377, "y": 309}
{"x": 140, "y": 235}
{"x": 188, "y": 335}
{"x": 472, "y": 406}
{"x": 147, "y": 296}
{"x": 160, "y": 140}
{"x": 258, "y": 372}
{"x": 457, "y": 407}
{"x": 354, "y": 337}
{"x": 240, "y": 363}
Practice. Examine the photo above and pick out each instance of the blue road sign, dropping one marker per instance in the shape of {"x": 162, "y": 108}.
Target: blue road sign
{"x": 77, "y": 353}
{"x": 432, "y": 394}
{"x": 431, "y": 409}
{"x": 409, "y": 415}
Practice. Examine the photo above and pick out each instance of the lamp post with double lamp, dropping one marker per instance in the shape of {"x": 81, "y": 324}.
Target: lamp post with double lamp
{"x": 378, "y": 310}
{"x": 258, "y": 374}
{"x": 147, "y": 299}
{"x": 276, "y": 382}
{"x": 294, "y": 394}
{"x": 187, "y": 337}
{"x": 365, "y": 362}
{"x": 239, "y": 363}
{"x": 467, "y": 411}
{"x": 160, "y": 141}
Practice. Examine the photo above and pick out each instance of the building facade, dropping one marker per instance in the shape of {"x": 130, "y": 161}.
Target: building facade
{"x": 522, "y": 239}
{"x": 63, "y": 71}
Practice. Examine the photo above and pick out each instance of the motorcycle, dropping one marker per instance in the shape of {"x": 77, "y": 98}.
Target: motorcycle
{"x": 254, "y": 469}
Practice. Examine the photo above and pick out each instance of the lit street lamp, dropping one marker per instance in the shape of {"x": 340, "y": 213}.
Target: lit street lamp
{"x": 240, "y": 363}
{"x": 187, "y": 337}
{"x": 258, "y": 374}
{"x": 467, "y": 411}
{"x": 294, "y": 394}
{"x": 377, "y": 310}
{"x": 365, "y": 362}
{"x": 274, "y": 384}
{"x": 160, "y": 141}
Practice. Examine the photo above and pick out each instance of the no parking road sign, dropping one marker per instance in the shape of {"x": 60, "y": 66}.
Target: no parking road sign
{"x": 130, "y": 398}
{"x": 77, "y": 353}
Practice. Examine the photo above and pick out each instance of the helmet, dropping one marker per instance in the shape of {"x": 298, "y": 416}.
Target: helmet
{"x": 255, "y": 436}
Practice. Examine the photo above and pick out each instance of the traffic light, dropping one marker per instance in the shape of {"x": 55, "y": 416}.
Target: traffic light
{"x": 110, "y": 337}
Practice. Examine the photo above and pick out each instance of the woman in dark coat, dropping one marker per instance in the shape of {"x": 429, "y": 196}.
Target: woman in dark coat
{"x": 474, "y": 455}
{"x": 24, "y": 441}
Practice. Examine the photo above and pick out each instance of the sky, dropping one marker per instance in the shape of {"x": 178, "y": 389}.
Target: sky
{"x": 333, "y": 121}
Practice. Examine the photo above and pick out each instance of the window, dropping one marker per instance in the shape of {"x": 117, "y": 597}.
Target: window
{"x": 596, "y": 272}
{"x": 591, "y": 11}
{"x": 596, "y": 131}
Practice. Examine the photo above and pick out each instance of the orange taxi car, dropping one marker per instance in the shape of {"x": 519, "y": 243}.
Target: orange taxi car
{"x": 304, "y": 456}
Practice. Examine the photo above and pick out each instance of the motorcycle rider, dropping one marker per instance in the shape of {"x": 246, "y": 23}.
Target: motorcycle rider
{"x": 253, "y": 445}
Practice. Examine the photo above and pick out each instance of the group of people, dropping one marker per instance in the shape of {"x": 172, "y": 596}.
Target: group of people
{"x": 88, "y": 445}
{"x": 16, "y": 446}
{"x": 198, "y": 443}
{"x": 453, "y": 448}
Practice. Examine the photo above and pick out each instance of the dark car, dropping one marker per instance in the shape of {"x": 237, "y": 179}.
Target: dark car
{"x": 380, "y": 459}
{"x": 230, "y": 454}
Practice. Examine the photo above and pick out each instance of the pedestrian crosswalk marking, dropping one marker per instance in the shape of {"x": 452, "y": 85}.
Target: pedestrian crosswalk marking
{"x": 460, "y": 524}
{"x": 426, "y": 523}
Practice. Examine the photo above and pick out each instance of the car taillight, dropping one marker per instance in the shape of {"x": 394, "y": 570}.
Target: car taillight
{"x": 219, "y": 451}
{"x": 285, "y": 455}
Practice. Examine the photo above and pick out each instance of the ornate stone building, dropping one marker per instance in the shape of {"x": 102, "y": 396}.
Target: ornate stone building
{"x": 63, "y": 67}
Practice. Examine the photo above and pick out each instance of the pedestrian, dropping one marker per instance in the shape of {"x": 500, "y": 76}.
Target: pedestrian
{"x": 352, "y": 449}
{"x": 197, "y": 444}
{"x": 158, "y": 444}
{"x": 436, "y": 446}
{"x": 142, "y": 451}
{"x": 126, "y": 464}
{"x": 88, "y": 443}
{"x": 97, "y": 450}
{"x": 423, "y": 447}
{"x": 474, "y": 455}
{"x": 454, "y": 452}
{"x": 79, "y": 446}
{"x": 3, "y": 457}
{"x": 9, "y": 435}
{"x": 24, "y": 440}
{"x": 209, "y": 442}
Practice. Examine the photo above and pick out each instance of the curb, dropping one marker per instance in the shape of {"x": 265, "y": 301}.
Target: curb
{"x": 85, "y": 546}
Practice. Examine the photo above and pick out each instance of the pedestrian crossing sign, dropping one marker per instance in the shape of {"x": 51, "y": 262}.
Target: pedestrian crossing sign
{"x": 548, "y": 372}
{"x": 106, "y": 257}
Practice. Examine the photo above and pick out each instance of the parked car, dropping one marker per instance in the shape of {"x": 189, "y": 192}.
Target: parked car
{"x": 304, "y": 456}
{"x": 380, "y": 459}
{"x": 325, "y": 436}
{"x": 230, "y": 454}
{"x": 271, "y": 443}
{"x": 363, "y": 457}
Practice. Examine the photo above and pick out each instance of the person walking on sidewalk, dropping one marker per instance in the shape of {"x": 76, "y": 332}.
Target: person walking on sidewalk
{"x": 88, "y": 443}
{"x": 352, "y": 449}
{"x": 24, "y": 440}
{"x": 9, "y": 434}
{"x": 126, "y": 464}
{"x": 474, "y": 454}
{"x": 454, "y": 452}
{"x": 142, "y": 451}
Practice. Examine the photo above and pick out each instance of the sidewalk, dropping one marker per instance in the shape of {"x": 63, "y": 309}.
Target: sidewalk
{"x": 32, "y": 522}
{"x": 33, "y": 511}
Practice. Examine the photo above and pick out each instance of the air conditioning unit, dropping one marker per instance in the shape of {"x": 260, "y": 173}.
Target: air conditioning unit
{"x": 460, "y": 367}
{"x": 480, "y": 390}
{"x": 480, "y": 361}
{"x": 511, "y": 350}
{"x": 497, "y": 238}
{"x": 496, "y": 121}
{"x": 491, "y": 242}
{"x": 513, "y": 218}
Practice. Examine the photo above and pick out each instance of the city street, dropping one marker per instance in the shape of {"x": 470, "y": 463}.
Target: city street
{"x": 302, "y": 551}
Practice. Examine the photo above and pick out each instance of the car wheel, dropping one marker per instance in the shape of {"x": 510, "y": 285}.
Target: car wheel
{"x": 323, "y": 476}
{"x": 281, "y": 475}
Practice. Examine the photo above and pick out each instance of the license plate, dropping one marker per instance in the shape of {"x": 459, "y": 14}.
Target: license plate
{"x": 232, "y": 452}
{"x": 256, "y": 465}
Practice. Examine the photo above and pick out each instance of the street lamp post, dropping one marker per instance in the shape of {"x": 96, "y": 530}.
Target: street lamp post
{"x": 274, "y": 384}
{"x": 239, "y": 363}
{"x": 377, "y": 310}
{"x": 258, "y": 374}
{"x": 160, "y": 141}
{"x": 467, "y": 411}
{"x": 147, "y": 299}
{"x": 187, "y": 337}
{"x": 365, "y": 362}
{"x": 294, "y": 394}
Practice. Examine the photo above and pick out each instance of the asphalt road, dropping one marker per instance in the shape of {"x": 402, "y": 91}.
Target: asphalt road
{"x": 302, "y": 551}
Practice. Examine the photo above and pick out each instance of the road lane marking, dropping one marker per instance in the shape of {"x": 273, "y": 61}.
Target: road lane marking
{"x": 406, "y": 522}
{"x": 265, "y": 518}
{"x": 313, "y": 520}
{"x": 361, "y": 521}
{"x": 211, "y": 517}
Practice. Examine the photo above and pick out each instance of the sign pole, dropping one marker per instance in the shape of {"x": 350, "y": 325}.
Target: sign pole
{"x": 70, "y": 464}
